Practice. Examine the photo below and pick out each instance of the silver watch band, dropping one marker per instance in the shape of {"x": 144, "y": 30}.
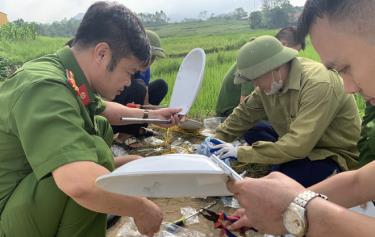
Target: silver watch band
{"x": 305, "y": 197}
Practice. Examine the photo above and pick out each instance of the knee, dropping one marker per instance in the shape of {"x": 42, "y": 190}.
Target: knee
{"x": 104, "y": 129}
{"x": 161, "y": 86}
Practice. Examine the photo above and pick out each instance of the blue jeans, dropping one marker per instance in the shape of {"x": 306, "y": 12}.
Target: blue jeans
{"x": 304, "y": 171}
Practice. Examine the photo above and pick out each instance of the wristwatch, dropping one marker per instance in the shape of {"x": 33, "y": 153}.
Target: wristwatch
{"x": 145, "y": 114}
{"x": 294, "y": 217}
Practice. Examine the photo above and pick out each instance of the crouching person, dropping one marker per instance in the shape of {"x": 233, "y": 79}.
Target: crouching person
{"x": 53, "y": 145}
{"x": 317, "y": 123}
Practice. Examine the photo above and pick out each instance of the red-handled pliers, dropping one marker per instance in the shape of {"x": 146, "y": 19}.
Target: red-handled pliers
{"x": 133, "y": 105}
{"x": 219, "y": 220}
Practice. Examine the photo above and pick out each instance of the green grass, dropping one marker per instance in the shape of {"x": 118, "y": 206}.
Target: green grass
{"x": 221, "y": 41}
{"x": 203, "y": 28}
{"x": 19, "y": 52}
{"x": 179, "y": 46}
{"x": 217, "y": 65}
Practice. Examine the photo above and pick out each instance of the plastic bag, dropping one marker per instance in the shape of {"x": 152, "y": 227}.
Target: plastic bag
{"x": 153, "y": 141}
{"x": 204, "y": 148}
{"x": 118, "y": 151}
{"x": 207, "y": 148}
{"x": 129, "y": 229}
{"x": 230, "y": 202}
{"x": 177, "y": 142}
{"x": 212, "y": 123}
{"x": 171, "y": 230}
{"x": 188, "y": 211}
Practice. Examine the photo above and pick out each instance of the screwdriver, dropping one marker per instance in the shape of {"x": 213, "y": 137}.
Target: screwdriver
{"x": 181, "y": 222}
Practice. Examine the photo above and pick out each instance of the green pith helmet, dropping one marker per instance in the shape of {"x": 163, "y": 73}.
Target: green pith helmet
{"x": 259, "y": 56}
{"x": 156, "y": 49}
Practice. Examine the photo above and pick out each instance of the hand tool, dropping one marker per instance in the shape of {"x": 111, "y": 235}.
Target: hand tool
{"x": 181, "y": 222}
{"x": 148, "y": 120}
{"x": 221, "y": 220}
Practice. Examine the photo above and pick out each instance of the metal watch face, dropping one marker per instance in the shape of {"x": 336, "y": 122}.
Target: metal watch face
{"x": 294, "y": 220}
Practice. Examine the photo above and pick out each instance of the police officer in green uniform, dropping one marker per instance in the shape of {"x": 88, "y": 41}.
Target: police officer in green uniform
{"x": 53, "y": 144}
{"x": 231, "y": 94}
{"x": 317, "y": 123}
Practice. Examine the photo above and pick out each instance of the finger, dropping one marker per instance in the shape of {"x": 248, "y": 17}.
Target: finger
{"x": 226, "y": 154}
{"x": 149, "y": 234}
{"x": 239, "y": 212}
{"x": 152, "y": 232}
{"x": 232, "y": 186}
{"x": 182, "y": 118}
{"x": 176, "y": 118}
{"x": 217, "y": 151}
{"x": 212, "y": 146}
{"x": 219, "y": 146}
{"x": 175, "y": 110}
{"x": 243, "y": 222}
{"x": 173, "y": 120}
{"x": 220, "y": 153}
{"x": 223, "y": 156}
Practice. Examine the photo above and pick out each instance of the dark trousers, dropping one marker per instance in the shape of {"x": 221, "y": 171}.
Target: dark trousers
{"x": 262, "y": 131}
{"x": 136, "y": 93}
{"x": 304, "y": 171}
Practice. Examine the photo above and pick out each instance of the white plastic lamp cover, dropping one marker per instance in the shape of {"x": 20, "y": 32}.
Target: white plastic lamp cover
{"x": 367, "y": 209}
{"x": 173, "y": 175}
{"x": 188, "y": 81}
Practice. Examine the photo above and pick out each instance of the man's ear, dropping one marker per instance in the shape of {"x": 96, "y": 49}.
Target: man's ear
{"x": 102, "y": 53}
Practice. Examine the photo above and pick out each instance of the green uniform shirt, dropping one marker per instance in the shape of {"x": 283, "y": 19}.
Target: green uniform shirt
{"x": 312, "y": 115}
{"x": 44, "y": 124}
{"x": 366, "y": 144}
{"x": 230, "y": 94}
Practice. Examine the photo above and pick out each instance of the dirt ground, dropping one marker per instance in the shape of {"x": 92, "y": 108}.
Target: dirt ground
{"x": 182, "y": 141}
{"x": 171, "y": 209}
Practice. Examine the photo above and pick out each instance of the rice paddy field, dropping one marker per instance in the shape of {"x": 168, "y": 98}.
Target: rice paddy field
{"x": 221, "y": 50}
{"x": 220, "y": 40}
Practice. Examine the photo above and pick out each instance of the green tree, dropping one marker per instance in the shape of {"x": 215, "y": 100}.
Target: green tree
{"x": 203, "y": 15}
{"x": 158, "y": 18}
{"x": 277, "y": 18}
{"x": 277, "y": 13}
{"x": 256, "y": 20}
{"x": 63, "y": 28}
{"x": 239, "y": 13}
{"x": 270, "y": 4}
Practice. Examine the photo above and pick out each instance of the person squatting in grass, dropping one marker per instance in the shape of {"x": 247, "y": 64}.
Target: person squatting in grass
{"x": 143, "y": 92}
{"x": 317, "y": 123}
{"x": 231, "y": 94}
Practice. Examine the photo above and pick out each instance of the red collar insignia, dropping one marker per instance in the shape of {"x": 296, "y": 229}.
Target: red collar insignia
{"x": 81, "y": 91}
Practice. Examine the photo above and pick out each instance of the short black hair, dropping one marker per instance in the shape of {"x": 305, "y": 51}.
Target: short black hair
{"x": 359, "y": 12}
{"x": 289, "y": 35}
{"x": 119, "y": 27}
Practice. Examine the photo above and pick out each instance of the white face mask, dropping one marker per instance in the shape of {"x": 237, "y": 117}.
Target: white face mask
{"x": 275, "y": 85}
